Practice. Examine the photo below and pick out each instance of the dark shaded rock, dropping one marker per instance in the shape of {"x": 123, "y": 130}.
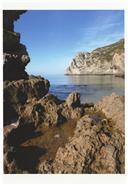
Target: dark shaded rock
{"x": 73, "y": 100}
{"x": 16, "y": 133}
{"x": 27, "y": 158}
{"x": 22, "y": 159}
{"x": 19, "y": 90}
{"x": 16, "y": 93}
{"x": 18, "y": 159}
{"x": 15, "y": 54}
{"x": 15, "y": 62}
{"x": 9, "y": 16}
{"x": 8, "y": 130}
{"x": 10, "y": 165}
{"x": 11, "y": 41}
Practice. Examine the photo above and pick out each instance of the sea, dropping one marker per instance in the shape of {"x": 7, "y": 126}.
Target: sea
{"x": 91, "y": 87}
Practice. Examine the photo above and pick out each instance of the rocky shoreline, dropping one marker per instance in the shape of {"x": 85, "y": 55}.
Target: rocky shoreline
{"x": 43, "y": 134}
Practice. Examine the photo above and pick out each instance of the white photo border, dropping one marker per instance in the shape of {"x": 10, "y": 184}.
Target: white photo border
{"x": 64, "y": 5}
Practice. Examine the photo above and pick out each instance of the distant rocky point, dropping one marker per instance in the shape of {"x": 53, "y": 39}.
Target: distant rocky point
{"x": 107, "y": 60}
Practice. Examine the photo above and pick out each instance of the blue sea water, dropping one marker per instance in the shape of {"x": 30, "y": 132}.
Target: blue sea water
{"x": 91, "y": 87}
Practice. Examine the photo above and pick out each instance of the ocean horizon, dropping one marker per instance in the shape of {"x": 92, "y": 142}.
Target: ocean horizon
{"x": 91, "y": 87}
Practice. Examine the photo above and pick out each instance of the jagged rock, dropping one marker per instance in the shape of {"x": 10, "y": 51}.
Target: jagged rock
{"x": 19, "y": 89}
{"x": 105, "y": 160}
{"x": 16, "y": 93}
{"x": 105, "y": 60}
{"x": 8, "y": 130}
{"x": 45, "y": 167}
{"x": 15, "y": 54}
{"x": 92, "y": 149}
{"x": 10, "y": 165}
{"x": 49, "y": 111}
{"x": 16, "y": 64}
{"x": 73, "y": 100}
{"x": 113, "y": 108}
{"x": 15, "y": 156}
{"x": 43, "y": 112}
{"x": 9, "y": 16}
{"x": 98, "y": 146}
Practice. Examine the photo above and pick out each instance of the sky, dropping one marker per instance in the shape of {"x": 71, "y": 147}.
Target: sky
{"x": 54, "y": 37}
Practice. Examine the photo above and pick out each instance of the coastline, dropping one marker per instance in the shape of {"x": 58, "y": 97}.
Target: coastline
{"x": 44, "y": 134}
{"x": 116, "y": 75}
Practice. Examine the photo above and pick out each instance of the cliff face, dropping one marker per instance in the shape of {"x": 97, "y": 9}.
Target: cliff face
{"x": 15, "y": 54}
{"x": 105, "y": 60}
{"x": 18, "y": 85}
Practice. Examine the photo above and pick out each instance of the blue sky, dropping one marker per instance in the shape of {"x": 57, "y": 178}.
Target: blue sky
{"x": 53, "y": 38}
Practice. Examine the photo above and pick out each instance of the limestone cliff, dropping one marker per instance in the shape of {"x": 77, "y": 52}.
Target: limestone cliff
{"x": 105, "y": 60}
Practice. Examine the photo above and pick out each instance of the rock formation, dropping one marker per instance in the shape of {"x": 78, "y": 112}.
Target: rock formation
{"x": 18, "y": 85}
{"x": 101, "y": 61}
{"x": 17, "y": 93}
{"x": 14, "y": 53}
{"x": 19, "y": 88}
{"x": 97, "y": 144}
{"x": 96, "y": 147}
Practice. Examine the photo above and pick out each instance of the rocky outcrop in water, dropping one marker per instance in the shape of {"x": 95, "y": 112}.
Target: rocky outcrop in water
{"x": 102, "y": 61}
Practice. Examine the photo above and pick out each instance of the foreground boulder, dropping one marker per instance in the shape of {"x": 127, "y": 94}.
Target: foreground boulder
{"x": 16, "y": 94}
{"x": 113, "y": 108}
{"x": 73, "y": 100}
{"x": 49, "y": 111}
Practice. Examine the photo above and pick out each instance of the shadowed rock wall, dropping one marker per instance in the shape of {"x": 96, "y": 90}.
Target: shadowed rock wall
{"x": 15, "y": 54}
{"x": 18, "y": 85}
